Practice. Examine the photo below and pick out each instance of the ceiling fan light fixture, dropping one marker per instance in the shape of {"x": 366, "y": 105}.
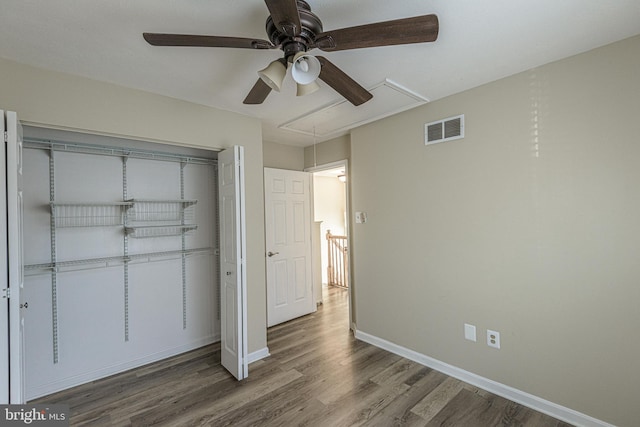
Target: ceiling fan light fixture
{"x": 305, "y": 69}
{"x": 274, "y": 74}
{"x": 302, "y": 90}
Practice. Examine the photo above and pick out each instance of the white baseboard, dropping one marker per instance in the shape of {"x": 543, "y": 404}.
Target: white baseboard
{"x": 65, "y": 383}
{"x": 258, "y": 355}
{"x": 534, "y": 402}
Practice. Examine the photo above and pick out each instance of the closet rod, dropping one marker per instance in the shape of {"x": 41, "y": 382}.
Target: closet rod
{"x": 75, "y": 147}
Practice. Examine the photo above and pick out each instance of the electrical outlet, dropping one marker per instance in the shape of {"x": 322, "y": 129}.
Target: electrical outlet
{"x": 493, "y": 338}
{"x": 470, "y": 332}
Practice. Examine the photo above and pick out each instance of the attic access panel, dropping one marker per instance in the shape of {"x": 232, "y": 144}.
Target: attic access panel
{"x": 389, "y": 98}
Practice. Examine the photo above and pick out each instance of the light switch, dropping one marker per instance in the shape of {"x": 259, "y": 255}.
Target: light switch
{"x": 470, "y": 332}
{"x": 361, "y": 217}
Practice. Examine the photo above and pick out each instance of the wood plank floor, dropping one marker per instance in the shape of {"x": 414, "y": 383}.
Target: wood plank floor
{"x": 317, "y": 375}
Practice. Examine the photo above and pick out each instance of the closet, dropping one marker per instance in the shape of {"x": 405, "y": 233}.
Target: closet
{"x": 121, "y": 263}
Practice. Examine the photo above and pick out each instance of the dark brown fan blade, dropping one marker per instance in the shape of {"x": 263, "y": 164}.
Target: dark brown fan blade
{"x": 258, "y": 93}
{"x": 285, "y": 16}
{"x": 157, "y": 39}
{"x": 418, "y": 29}
{"x": 342, "y": 83}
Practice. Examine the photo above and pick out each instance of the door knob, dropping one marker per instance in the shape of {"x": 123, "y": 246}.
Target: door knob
{"x": 270, "y": 254}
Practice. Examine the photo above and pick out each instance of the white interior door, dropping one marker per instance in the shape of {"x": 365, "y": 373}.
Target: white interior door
{"x": 4, "y": 284}
{"x": 233, "y": 292}
{"x": 15, "y": 258}
{"x": 288, "y": 244}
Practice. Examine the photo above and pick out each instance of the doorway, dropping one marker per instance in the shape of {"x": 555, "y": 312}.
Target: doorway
{"x": 331, "y": 230}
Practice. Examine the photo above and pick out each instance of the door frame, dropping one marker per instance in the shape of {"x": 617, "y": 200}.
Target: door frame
{"x": 335, "y": 165}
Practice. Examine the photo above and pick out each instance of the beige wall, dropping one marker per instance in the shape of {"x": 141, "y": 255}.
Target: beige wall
{"x": 59, "y": 100}
{"x": 529, "y": 226}
{"x": 327, "y": 152}
{"x": 282, "y": 156}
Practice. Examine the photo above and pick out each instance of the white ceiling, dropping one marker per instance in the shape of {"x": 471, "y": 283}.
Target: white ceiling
{"x": 479, "y": 41}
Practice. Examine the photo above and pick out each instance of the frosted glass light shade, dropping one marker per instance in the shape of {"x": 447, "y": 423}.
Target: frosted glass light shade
{"x": 305, "y": 68}
{"x": 274, "y": 74}
{"x": 302, "y": 90}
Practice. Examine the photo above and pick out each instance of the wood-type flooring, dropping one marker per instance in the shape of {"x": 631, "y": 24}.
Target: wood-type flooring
{"x": 318, "y": 374}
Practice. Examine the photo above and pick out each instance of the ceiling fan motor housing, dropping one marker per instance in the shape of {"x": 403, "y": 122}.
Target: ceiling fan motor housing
{"x": 311, "y": 26}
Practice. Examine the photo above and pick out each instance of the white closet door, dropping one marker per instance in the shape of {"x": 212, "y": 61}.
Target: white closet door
{"x": 15, "y": 259}
{"x": 4, "y": 302}
{"x": 233, "y": 293}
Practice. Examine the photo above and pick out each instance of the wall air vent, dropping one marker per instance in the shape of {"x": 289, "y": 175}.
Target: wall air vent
{"x": 444, "y": 130}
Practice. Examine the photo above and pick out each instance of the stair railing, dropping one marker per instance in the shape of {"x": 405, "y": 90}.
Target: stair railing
{"x": 337, "y": 266}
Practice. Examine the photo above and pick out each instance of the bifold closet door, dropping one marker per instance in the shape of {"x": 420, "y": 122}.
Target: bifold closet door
{"x": 4, "y": 283}
{"x": 12, "y": 164}
{"x": 233, "y": 280}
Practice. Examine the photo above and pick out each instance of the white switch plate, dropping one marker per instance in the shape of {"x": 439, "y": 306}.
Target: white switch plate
{"x": 470, "y": 332}
{"x": 493, "y": 338}
{"x": 361, "y": 217}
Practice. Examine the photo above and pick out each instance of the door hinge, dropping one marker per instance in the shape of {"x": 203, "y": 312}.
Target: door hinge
{"x": 6, "y": 293}
{"x": 6, "y": 136}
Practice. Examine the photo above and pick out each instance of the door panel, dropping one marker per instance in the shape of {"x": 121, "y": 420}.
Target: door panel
{"x": 281, "y": 279}
{"x": 288, "y": 245}
{"x": 300, "y": 274}
{"x": 231, "y": 318}
{"x": 280, "y": 222}
{"x": 232, "y": 263}
{"x": 300, "y": 222}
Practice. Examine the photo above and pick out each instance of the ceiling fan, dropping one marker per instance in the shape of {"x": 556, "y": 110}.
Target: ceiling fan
{"x": 295, "y": 29}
